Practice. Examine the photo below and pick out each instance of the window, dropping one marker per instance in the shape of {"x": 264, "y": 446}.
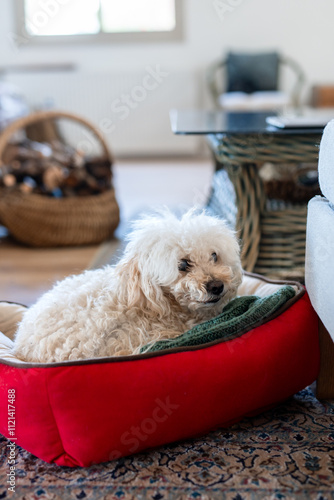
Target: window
{"x": 96, "y": 19}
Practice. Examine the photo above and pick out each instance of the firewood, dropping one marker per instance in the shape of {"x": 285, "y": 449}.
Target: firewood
{"x": 23, "y": 153}
{"x": 92, "y": 182}
{"x": 54, "y": 169}
{"x": 62, "y": 158}
{"x": 15, "y": 165}
{"x": 71, "y": 181}
{"x": 78, "y": 159}
{"x": 10, "y": 154}
{"x": 53, "y": 177}
{"x": 59, "y": 147}
{"x": 100, "y": 171}
{"x": 41, "y": 147}
{"x": 29, "y": 167}
{"x": 9, "y": 180}
{"x": 28, "y": 185}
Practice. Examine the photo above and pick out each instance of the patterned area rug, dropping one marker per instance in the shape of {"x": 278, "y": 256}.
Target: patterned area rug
{"x": 285, "y": 453}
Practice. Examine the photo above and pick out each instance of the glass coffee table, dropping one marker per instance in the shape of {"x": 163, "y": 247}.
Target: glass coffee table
{"x": 268, "y": 214}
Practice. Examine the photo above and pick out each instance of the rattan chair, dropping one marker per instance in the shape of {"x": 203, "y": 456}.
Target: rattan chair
{"x": 217, "y": 77}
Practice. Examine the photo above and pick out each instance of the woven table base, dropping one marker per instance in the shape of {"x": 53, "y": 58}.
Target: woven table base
{"x": 272, "y": 233}
{"x": 282, "y": 245}
{"x": 261, "y": 148}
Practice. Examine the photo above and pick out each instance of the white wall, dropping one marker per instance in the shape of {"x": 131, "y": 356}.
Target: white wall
{"x": 301, "y": 29}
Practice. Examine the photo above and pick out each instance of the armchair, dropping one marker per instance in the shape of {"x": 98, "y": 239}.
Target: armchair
{"x": 319, "y": 265}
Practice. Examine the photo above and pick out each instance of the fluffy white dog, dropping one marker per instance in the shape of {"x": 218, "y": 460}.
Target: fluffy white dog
{"x": 173, "y": 275}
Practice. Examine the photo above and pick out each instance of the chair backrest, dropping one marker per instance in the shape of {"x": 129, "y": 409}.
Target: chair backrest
{"x": 252, "y": 72}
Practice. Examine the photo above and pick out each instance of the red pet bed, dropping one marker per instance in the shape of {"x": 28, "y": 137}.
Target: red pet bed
{"x": 79, "y": 413}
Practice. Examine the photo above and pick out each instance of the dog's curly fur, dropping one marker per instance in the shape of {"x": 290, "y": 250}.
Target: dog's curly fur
{"x": 158, "y": 290}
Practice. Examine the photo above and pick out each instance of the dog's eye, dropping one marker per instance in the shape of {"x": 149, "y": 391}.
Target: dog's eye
{"x": 184, "y": 265}
{"x": 214, "y": 257}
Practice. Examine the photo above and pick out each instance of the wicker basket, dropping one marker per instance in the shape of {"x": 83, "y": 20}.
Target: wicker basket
{"x": 40, "y": 221}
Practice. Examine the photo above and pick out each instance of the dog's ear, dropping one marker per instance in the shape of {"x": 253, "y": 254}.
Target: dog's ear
{"x": 155, "y": 299}
{"x": 129, "y": 279}
{"x": 137, "y": 289}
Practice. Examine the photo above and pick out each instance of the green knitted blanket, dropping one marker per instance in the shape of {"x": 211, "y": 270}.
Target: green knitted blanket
{"x": 238, "y": 317}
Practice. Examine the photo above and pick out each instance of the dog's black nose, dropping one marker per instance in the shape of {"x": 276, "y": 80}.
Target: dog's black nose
{"x": 215, "y": 287}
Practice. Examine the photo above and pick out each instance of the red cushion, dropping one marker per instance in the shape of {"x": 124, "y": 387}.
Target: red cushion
{"x": 94, "y": 411}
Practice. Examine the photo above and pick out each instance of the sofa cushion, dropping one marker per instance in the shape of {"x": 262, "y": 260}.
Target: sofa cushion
{"x": 326, "y": 162}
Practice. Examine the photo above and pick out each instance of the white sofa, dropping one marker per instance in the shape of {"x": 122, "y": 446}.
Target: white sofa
{"x": 319, "y": 268}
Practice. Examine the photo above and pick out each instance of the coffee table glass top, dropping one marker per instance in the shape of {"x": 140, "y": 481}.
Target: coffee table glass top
{"x": 197, "y": 122}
